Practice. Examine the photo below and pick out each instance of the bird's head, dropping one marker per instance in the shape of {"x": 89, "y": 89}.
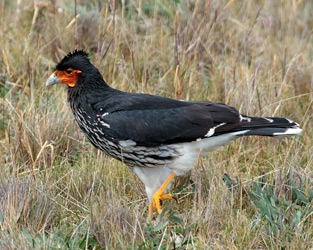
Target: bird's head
{"x": 70, "y": 69}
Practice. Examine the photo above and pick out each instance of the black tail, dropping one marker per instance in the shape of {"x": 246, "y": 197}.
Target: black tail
{"x": 267, "y": 126}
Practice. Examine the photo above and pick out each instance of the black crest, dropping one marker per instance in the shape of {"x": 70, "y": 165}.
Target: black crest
{"x": 75, "y": 53}
{"x": 71, "y": 57}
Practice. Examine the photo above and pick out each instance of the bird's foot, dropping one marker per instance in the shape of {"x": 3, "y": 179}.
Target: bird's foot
{"x": 159, "y": 196}
{"x": 157, "y": 201}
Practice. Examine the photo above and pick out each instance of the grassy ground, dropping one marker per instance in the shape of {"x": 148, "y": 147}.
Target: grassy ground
{"x": 58, "y": 192}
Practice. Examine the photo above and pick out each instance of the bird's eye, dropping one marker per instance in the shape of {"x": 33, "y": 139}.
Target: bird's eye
{"x": 69, "y": 71}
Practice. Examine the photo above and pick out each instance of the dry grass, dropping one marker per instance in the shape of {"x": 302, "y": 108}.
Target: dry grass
{"x": 57, "y": 192}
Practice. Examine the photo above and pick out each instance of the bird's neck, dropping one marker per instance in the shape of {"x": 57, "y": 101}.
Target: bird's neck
{"x": 88, "y": 93}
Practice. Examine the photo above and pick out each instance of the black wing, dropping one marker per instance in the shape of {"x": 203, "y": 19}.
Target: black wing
{"x": 153, "y": 120}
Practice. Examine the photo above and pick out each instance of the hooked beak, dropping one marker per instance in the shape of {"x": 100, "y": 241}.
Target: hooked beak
{"x": 52, "y": 80}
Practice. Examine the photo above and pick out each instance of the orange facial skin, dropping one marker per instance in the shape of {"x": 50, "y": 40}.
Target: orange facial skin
{"x": 68, "y": 76}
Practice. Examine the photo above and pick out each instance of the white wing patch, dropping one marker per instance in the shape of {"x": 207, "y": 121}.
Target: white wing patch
{"x": 290, "y": 121}
{"x": 212, "y": 130}
{"x": 103, "y": 123}
{"x": 269, "y": 120}
{"x": 245, "y": 118}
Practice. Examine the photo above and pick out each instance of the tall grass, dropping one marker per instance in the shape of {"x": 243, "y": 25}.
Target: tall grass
{"x": 58, "y": 192}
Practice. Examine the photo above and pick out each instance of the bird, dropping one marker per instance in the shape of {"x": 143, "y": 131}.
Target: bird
{"x": 159, "y": 138}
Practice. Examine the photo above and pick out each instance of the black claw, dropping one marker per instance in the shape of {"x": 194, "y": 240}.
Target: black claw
{"x": 175, "y": 198}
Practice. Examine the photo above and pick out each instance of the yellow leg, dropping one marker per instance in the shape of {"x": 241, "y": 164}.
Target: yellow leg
{"x": 150, "y": 211}
{"x": 159, "y": 196}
